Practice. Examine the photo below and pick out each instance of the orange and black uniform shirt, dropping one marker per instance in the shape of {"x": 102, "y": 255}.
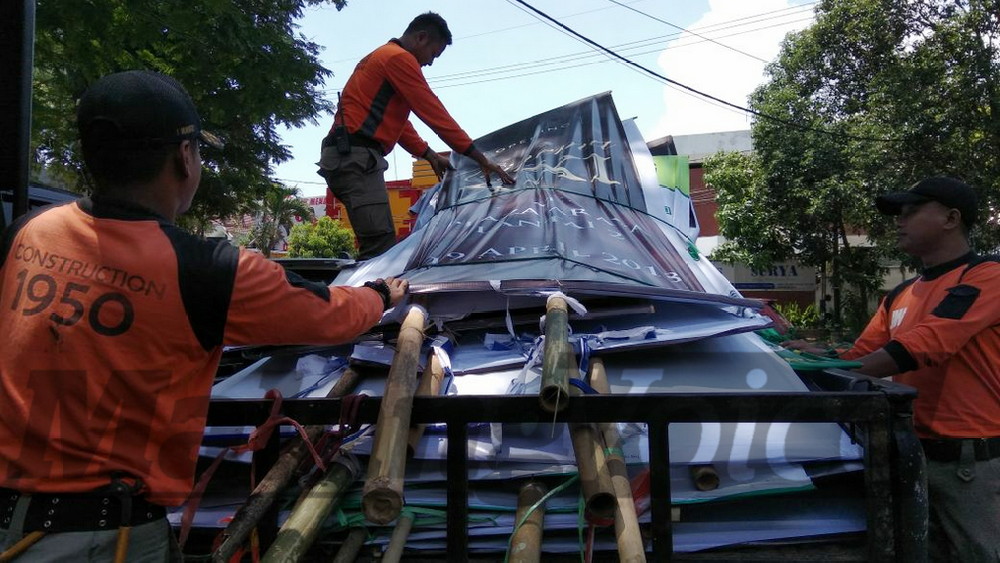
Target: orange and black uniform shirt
{"x": 113, "y": 321}
{"x": 378, "y": 97}
{"x": 943, "y": 330}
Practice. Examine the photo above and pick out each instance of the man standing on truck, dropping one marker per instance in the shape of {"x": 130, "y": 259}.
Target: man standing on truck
{"x": 940, "y": 333}
{"x": 113, "y": 321}
{"x": 373, "y": 116}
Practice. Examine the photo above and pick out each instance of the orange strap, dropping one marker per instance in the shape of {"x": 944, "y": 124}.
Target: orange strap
{"x": 257, "y": 440}
{"x": 640, "y": 492}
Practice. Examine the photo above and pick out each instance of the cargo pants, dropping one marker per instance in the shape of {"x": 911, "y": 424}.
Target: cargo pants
{"x": 357, "y": 179}
{"x": 964, "y": 500}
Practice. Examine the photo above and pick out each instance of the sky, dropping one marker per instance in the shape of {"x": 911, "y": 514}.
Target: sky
{"x": 505, "y": 64}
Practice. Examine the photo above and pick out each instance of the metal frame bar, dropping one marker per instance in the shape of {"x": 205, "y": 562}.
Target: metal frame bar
{"x": 17, "y": 37}
{"x": 877, "y": 408}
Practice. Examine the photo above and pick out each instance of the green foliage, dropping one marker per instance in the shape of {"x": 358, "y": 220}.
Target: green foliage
{"x": 874, "y": 96}
{"x": 798, "y": 316}
{"x": 857, "y": 313}
{"x": 326, "y": 238}
{"x": 924, "y": 76}
{"x": 247, "y": 69}
{"x": 274, "y": 215}
{"x": 757, "y": 233}
{"x": 244, "y": 239}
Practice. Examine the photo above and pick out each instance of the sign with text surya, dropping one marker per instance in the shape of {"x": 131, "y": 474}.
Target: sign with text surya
{"x": 787, "y": 276}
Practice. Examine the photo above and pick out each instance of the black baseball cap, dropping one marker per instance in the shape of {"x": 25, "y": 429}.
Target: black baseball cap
{"x": 952, "y": 193}
{"x": 140, "y": 109}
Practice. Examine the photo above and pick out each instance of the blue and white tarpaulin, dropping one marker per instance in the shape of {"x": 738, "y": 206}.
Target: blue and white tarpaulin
{"x": 577, "y": 214}
{"x": 590, "y": 216}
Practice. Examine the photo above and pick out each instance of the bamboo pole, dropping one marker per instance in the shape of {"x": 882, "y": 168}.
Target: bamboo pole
{"x": 705, "y": 477}
{"x": 430, "y": 385}
{"x": 595, "y": 477}
{"x": 394, "y": 551}
{"x": 264, "y": 494}
{"x": 559, "y": 359}
{"x": 297, "y": 534}
{"x": 631, "y": 548}
{"x": 349, "y": 550}
{"x": 526, "y": 544}
{"x": 382, "y": 496}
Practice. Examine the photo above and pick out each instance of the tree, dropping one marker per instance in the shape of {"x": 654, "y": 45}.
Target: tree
{"x": 274, "y": 215}
{"x": 874, "y": 96}
{"x": 242, "y": 62}
{"x": 326, "y": 238}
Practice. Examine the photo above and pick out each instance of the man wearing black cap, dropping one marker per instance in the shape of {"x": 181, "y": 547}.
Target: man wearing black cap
{"x": 113, "y": 322}
{"x": 940, "y": 333}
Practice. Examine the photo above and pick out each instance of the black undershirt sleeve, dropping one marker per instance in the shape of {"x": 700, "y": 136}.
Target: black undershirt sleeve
{"x": 206, "y": 272}
{"x": 902, "y": 357}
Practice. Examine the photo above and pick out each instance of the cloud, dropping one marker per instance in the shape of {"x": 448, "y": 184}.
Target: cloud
{"x": 756, "y": 28}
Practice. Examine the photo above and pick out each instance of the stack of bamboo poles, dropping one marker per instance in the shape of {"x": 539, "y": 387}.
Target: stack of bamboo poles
{"x": 601, "y": 464}
{"x": 630, "y": 544}
{"x": 299, "y": 531}
{"x": 383, "y": 489}
{"x": 263, "y": 496}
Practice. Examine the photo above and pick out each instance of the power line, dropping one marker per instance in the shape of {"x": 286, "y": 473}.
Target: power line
{"x": 652, "y": 17}
{"x": 566, "y": 29}
{"x": 565, "y": 59}
{"x": 501, "y": 30}
{"x": 290, "y": 181}
{"x": 794, "y": 10}
{"x": 728, "y": 24}
{"x": 628, "y": 46}
{"x": 573, "y": 15}
{"x": 613, "y": 56}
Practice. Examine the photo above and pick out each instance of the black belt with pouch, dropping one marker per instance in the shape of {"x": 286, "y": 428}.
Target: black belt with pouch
{"x": 949, "y": 449}
{"x": 78, "y": 512}
{"x": 343, "y": 140}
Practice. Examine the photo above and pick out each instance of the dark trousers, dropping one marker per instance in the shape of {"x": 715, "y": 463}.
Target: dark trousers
{"x": 357, "y": 180}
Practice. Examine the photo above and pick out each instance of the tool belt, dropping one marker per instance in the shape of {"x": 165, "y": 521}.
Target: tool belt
{"x": 949, "y": 449}
{"x": 357, "y": 140}
{"x": 78, "y": 512}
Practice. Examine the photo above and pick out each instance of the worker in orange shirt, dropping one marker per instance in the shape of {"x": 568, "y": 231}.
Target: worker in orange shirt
{"x": 938, "y": 332}
{"x": 374, "y": 115}
{"x": 113, "y": 322}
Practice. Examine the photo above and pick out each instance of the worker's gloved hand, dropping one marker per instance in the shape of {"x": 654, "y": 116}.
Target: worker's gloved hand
{"x": 397, "y": 290}
{"x": 438, "y": 163}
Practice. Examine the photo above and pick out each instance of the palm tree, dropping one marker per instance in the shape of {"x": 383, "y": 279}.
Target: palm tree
{"x": 275, "y": 214}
